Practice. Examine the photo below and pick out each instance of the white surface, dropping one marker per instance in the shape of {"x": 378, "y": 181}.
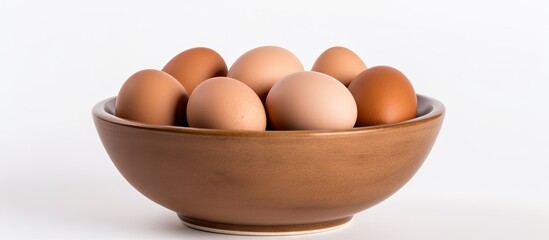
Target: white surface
{"x": 488, "y": 61}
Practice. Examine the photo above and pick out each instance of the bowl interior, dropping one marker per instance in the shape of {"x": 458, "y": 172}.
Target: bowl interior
{"x": 427, "y": 108}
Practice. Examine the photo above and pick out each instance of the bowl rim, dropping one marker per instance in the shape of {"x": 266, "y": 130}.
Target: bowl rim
{"x": 429, "y": 109}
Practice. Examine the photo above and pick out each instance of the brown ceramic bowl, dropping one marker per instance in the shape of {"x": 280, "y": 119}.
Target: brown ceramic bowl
{"x": 268, "y": 182}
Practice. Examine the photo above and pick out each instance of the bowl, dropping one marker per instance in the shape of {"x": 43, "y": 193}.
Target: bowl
{"x": 268, "y": 182}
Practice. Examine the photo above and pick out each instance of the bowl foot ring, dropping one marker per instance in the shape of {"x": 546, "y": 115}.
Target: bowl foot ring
{"x": 263, "y": 230}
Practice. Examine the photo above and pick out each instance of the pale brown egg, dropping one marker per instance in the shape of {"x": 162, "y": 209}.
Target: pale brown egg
{"x": 383, "y": 95}
{"x": 225, "y": 103}
{"x": 195, "y": 65}
{"x": 262, "y": 67}
{"x": 152, "y": 97}
{"x": 310, "y": 101}
{"x": 340, "y": 63}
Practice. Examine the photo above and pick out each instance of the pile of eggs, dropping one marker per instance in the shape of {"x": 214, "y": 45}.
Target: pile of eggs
{"x": 267, "y": 88}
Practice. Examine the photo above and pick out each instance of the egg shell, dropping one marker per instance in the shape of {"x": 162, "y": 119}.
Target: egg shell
{"x": 383, "y": 95}
{"x": 152, "y": 97}
{"x": 225, "y": 103}
{"x": 195, "y": 65}
{"x": 262, "y": 67}
{"x": 340, "y": 63}
{"x": 310, "y": 101}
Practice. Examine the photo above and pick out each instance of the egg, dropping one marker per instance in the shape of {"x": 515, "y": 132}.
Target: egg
{"x": 262, "y": 67}
{"x": 310, "y": 101}
{"x": 225, "y": 103}
{"x": 340, "y": 63}
{"x": 152, "y": 97}
{"x": 383, "y": 95}
{"x": 195, "y": 65}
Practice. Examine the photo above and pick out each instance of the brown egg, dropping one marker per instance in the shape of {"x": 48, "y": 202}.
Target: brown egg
{"x": 340, "y": 63}
{"x": 152, "y": 97}
{"x": 225, "y": 103}
{"x": 310, "y": 101}
{"x": 262, "y": 67}
{"x": 383, "y": 95}
{"x": 195, "y": 65}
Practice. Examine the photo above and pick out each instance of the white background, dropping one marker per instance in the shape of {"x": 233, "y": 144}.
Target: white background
{"x": 487, "y": 61}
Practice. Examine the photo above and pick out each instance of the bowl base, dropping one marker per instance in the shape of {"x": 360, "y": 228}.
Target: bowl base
{"x": 263, "y": 230}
